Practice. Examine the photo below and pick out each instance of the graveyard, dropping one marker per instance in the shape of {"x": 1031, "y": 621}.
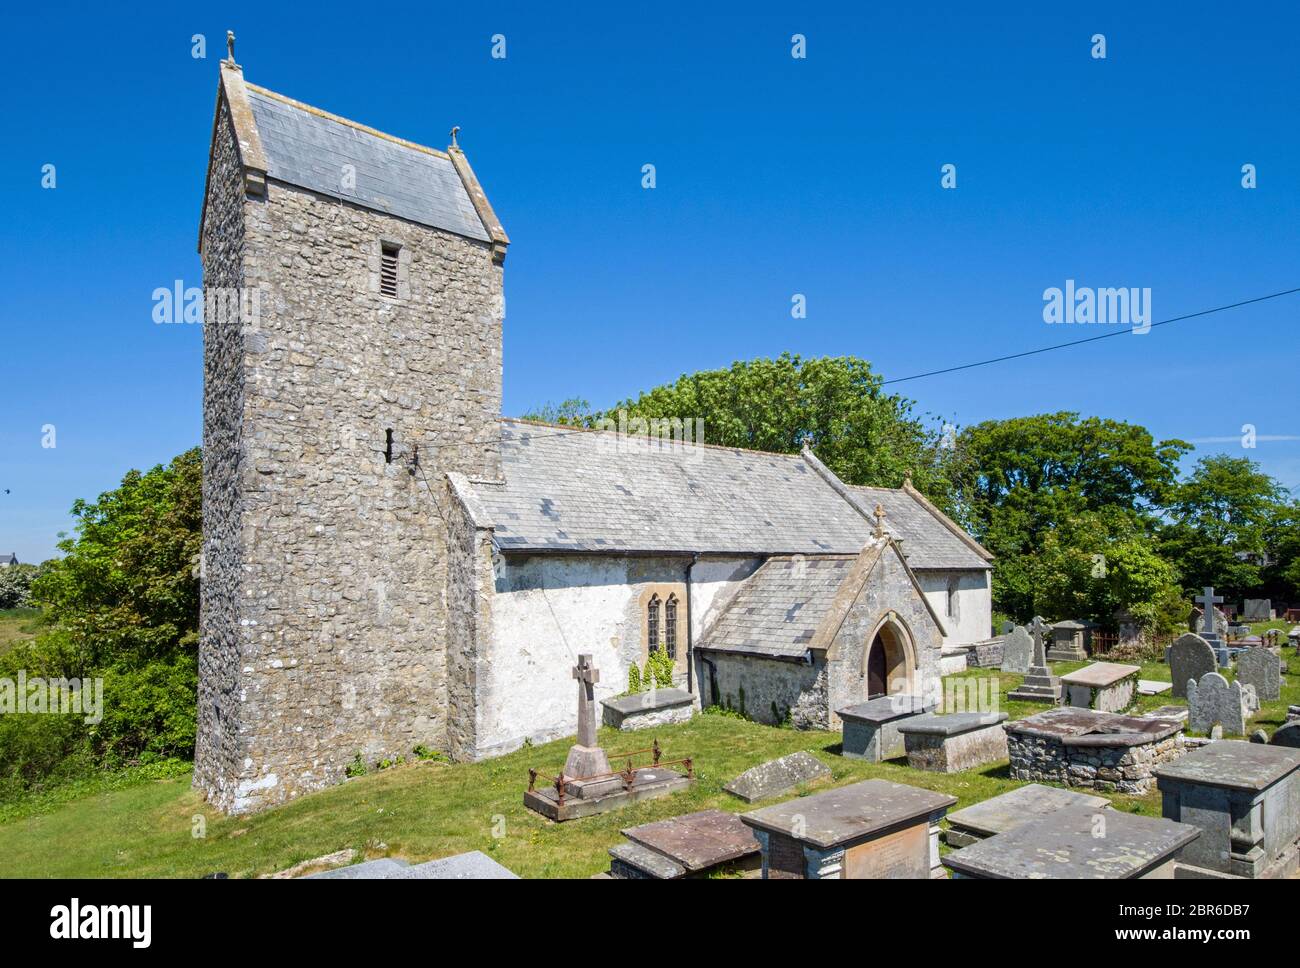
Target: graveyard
{"x": 425, "y": 810}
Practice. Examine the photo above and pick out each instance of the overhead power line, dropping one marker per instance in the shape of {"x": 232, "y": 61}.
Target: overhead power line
{"x": 1089, "y": 339}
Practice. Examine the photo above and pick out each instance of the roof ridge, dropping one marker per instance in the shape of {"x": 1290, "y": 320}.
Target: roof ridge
{"x": 601, "y": 430}
{"x": 330, "y": 116}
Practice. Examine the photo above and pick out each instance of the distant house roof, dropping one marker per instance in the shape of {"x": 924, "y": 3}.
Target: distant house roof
{"x": 10, "y": 559}
{"x": 575, "y": 490}
{"x": 779, "y": 608}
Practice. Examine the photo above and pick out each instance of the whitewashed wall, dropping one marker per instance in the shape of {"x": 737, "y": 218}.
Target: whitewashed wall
{"x": 525, "y": 689}
{"x": 974, "y": 618}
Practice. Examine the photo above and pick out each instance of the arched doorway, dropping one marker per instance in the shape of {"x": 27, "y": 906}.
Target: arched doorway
{"x": 888, "y": 665}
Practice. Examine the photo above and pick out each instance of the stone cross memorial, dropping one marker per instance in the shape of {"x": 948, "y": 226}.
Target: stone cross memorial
{"x": 1039, "y": 684}
{"x": 1208, "y": 631}
{"x": 586, "y": 758}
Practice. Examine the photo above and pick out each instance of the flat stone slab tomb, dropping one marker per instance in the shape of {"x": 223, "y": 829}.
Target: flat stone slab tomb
{"x": 692, "y": 845}
{"x": 997, "y": 815}
{"x": 778, "y": 776}
{"x": 475, "y": 866}
{"x": 961, "y": 741}
{"x": 867, "y": 831}
{"x": 649, "y": 709}
{"x": 1106, "y": 686}
{"x": 1085, "y": 748}
{"x": 871, "y": 728}
{"x": 1078, "y": 843}
{"x": 1153, "y": 687}
{"x": 1245, "y": 798}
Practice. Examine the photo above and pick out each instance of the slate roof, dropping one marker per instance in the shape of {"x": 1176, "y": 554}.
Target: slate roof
{"x": 308, "y": 148}
{"x": 568, "y": 490}
{"x": 575, "y": 490}
{"x": 779, "y": 609}
{"x": 9, "y": 559}
{"x": 926, "y": 541}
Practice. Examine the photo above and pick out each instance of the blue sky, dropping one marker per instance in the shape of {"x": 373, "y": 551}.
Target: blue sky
{"x": 775, "y": 176}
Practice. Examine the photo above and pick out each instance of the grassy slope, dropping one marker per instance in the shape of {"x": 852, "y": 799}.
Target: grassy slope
{"x": 430, "y": 809}
{"x": 18, "y": 624}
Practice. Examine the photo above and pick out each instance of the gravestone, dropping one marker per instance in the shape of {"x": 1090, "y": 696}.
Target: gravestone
{"x": 1189, "y": 658}
{"x": 1017, "y": 651}
{"x": 1039, "y": 684}
{"x": 867, "y": 831}
{"x": 1243, "y": 797}
{"x": 1288, "y": 734}
{"x": 1262, "y": 669}
{"x": 1078, "y": 843}
{"x": 1216, "y": 700}
{"x": 777, "y": 776}
{"x": 1257, "y": 610}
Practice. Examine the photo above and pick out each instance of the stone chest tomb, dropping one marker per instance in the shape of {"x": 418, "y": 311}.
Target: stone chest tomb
{"x": 1245, "y": 798}
{"x": 1108, "y": 687}
{"x": 866, "y": 831}
{"x": 1078, "y": 843}
{"x": 871, "y": 727}
{"x": 955, "y": 742}
{"x": 1085, "y": 748}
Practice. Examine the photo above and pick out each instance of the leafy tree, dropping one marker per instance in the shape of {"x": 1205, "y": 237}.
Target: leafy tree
{"x": 1220, "y": 521}
{"x": 1020, "y": 481}
{"x": 575, "y": 412}
{"x": 1282, "y": 573}
{"x": 1101, "y": 562}
{"x": 835, "y": 405}
{"x": 16, "y": 585}
{"x": 124, "y": 606}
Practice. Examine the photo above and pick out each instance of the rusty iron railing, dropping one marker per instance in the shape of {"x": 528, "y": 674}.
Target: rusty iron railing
{"x": 627, "y": 774}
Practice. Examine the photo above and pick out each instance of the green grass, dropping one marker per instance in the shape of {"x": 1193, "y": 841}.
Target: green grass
{"x": 17, "y": 625}
{"x": 140, "y": 824}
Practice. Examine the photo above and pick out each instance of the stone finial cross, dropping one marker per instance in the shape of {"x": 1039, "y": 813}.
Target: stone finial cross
{"x": 230, "y": 46}
{"x": 455, "y": 130}
{"x": 587, "y": 676}
{"x": 1040, "y": 629}
{"x": 880, "y": 521}
{"x": 1208, "y": 600}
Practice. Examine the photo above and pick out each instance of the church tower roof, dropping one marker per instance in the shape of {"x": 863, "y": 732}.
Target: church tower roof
{"x": 294, "y": 143}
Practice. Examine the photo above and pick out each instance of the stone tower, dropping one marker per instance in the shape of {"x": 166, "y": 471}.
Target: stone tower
{"x": 352, "y": 358}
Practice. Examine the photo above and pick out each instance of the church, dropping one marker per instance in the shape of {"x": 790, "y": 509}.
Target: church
{"x": 391, "y": 564}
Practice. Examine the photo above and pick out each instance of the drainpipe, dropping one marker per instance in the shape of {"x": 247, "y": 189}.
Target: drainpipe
{"x": 690, "y": 627}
